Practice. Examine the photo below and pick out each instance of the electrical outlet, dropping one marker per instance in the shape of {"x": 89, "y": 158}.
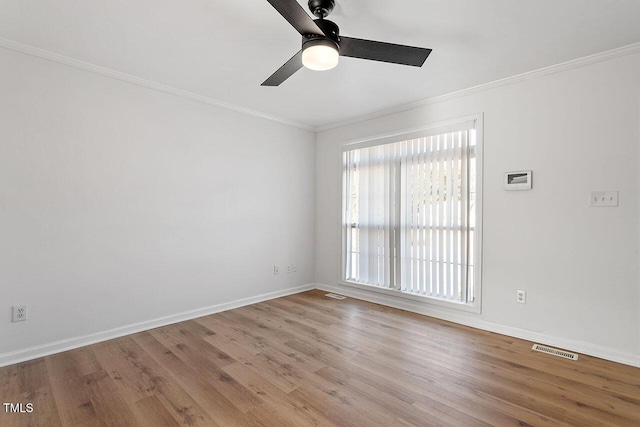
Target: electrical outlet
{"x": 19, "y": 313}
{"x": 276, "y": 270}
{"x": 288, "y": 269}
{"x": 521, "y": 297}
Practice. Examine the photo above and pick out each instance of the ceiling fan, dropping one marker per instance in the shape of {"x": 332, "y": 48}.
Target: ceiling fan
{"x": 322, "y": 43}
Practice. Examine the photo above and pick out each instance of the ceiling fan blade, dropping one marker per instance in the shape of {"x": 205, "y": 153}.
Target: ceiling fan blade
{"x": 385, "y": 52}
{"x": 296, "y": 16}
{"x": 286, "y": 71}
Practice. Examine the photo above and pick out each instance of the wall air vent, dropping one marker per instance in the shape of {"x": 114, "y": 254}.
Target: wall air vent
{"x": 555, "y": 352}
{"x": 335, "y": 296}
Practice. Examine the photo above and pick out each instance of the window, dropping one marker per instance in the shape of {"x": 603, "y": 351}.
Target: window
{"x": 411, "y": 213}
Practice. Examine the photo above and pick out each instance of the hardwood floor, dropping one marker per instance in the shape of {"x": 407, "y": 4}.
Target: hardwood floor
{"x": 309, "y": 360}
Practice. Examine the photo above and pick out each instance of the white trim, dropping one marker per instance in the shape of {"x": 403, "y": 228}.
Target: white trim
{"x": 475, "y": 322}
{"x": 30, "y": 353}
{"x": 436, "y": 128}
{"x": 479, "y": 236}
{"x": 394, "y": 293}
{"x": 86, "y": 66}
{"x": 107, "y": 72}
{"x": 518, "y": 78}
{"x": 365, "y": 295}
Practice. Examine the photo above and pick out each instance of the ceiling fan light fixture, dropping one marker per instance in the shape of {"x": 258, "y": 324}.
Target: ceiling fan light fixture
{"x": 320, "y": 54}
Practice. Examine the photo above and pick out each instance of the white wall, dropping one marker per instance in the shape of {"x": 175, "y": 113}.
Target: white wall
{"x": 120, "y": 204}
{"x": 578, "y": 130}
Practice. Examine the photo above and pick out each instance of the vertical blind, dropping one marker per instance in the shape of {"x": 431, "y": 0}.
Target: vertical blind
{"x": 409, "y": 215}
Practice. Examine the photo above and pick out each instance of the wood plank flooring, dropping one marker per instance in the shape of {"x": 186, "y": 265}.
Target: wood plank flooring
{"x": 307, "y": 360}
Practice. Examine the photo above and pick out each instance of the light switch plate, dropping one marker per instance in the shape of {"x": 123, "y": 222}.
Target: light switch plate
{"x": 603, "y": 199}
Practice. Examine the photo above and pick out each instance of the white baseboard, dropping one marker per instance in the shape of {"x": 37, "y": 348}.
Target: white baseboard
{"x": 474, "y": 322}
{"x": 30, "y": 353}
{"x": 35, "y": 352}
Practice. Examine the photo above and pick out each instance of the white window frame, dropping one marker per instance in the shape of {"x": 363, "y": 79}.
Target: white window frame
{"x": 407, "y": 134}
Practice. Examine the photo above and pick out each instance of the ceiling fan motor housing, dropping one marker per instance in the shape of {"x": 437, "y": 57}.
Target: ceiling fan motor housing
{"x": 321, "y": 8}
{"x": 331, "y": 33}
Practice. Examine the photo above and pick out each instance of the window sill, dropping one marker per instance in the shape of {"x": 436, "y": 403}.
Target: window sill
{"x": 470, "y": 308}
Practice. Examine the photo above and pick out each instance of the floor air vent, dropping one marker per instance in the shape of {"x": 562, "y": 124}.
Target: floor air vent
{"x": 555, "y": 352}
{"x": 334, "y": 296}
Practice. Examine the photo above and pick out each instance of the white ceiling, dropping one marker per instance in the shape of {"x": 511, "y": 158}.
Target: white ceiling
{"x": 224, "y": 49}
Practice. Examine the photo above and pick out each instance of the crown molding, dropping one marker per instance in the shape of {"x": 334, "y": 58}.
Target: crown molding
{"x": 107, "y": 72}
{"x": 564, "y": 66}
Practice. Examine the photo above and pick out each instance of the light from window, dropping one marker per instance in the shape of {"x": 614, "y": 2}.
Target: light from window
{"x": 410, "y": 215}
